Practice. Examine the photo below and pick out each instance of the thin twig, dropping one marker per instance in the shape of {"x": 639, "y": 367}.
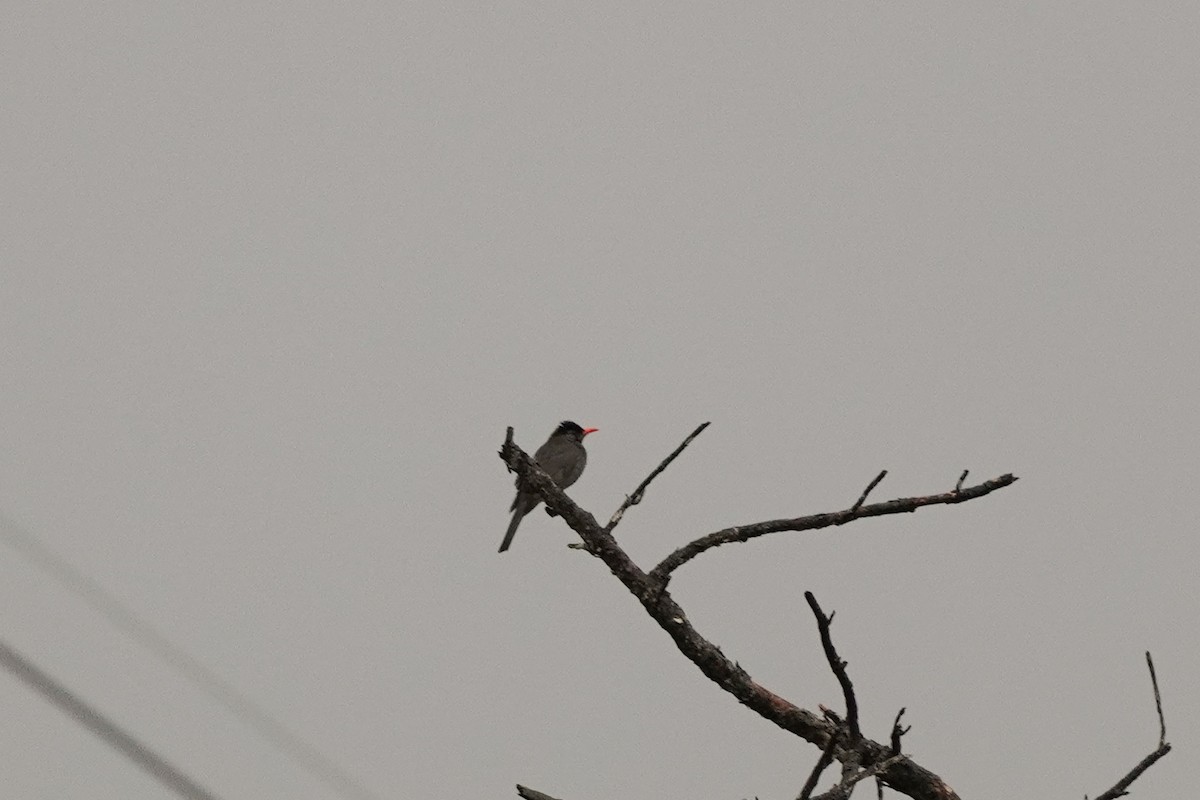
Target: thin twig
{"x": 640, "y": 491}
{"x": 897, "y": 732}
{"x": 862, "y": 498}
{"x": 1118, "y": 789}
{"x": 843, "y": 789}
{"x": 742, "y": 533}
{"x": 839, "y": 668}
{"x": 1162, "y": 724}
{"x": 961, "y": 478}
{"x": 822, "y": 764}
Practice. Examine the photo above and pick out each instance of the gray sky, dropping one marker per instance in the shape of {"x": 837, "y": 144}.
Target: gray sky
{"x": 276, "y": 279}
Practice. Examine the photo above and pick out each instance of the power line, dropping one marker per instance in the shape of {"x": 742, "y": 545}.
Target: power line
{"x": 241, "y": 706}
{"x": 100, "y": 725}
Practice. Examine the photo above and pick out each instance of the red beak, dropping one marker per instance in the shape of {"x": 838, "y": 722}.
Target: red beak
{"x": 586, "y": 431}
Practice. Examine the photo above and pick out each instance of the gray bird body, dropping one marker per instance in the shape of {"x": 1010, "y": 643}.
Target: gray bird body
{"x": 563, "y": 458}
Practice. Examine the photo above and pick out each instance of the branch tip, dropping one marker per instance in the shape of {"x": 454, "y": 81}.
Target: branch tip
{"x": 1162, "y": 725}
{"x": 897, "y": 731}
{"x": 862, "y": 498}
{"x": 812, "y": 522}
{"x": 526, "y": 793}
{"x": 640, "y": 491}
{"x": 838, "y": 666}
{"x": 1119, "y": 789}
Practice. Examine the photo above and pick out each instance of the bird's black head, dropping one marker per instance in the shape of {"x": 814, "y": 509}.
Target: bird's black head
{"x": 568, "y": 428}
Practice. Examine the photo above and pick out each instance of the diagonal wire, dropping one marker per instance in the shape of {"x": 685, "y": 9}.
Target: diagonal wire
{"x": 100, "y": 725}
{"x": 216, "y": 687}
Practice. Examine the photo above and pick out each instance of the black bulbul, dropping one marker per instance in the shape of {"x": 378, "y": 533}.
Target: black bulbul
{"x": 563, "y": 458}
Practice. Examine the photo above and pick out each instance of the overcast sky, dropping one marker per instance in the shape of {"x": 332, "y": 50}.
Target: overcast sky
{"x": 276, "y": 278}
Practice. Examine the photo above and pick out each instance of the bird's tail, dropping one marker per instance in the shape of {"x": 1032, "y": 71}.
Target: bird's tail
{"x": 518, "y": 514}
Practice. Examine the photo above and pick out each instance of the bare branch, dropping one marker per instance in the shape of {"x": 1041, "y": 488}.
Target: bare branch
{"x": 822, "y": 764}
{"x": 814, "y": 522}
{"x": 961, "y": 478}
{"x": 897, "y": 732}
{"x": 905, "y": 776}
{"x": 831, "y": 715}
{"x": 838, "y": 666}
{"x": 846, "y": 786}
{"x": 640, "y": 491}
{"x": 843, "y": 788}
{"x": 532, "y": 794}
{"x": 1118, "y": 789}
{"x": 1162, "y": 724}
{"x": 862, "y": 498}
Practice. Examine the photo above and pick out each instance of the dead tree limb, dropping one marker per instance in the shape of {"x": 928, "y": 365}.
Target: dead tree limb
{"x": 1120, "y": 787}
{"x": 898, "y": 732}
{"x": 904, "y": 775}
{"x": 822, "y": 764}
{"x": 843, "y": 788}
{"x": 902, "y": 505}
{"x": 862, "y": 498}
{"x": 852, "y": 774}
{"x": 838, "y": 666}
{"x": 640, "y": 491}
{"x": 532, "y": 794}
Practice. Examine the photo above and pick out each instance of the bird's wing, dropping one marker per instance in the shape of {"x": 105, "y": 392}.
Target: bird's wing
{"x": 565, "y": 464}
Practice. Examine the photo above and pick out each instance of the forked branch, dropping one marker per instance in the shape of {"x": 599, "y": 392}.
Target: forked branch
{"x": 902, "y": 505}
{"x": 884, "y": 762}
{"x": 822, "y": 764}
{"x": 1120, "y": 787}
{"x": 842, "y": 789}
{"x": 903, "y": 775}
{"x": 838, "y": 666}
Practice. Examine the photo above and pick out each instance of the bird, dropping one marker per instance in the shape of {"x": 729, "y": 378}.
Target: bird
{"x": 563, "y": 458}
